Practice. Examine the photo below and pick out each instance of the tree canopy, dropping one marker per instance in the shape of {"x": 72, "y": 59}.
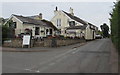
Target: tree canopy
{"x": 105, "y": 30}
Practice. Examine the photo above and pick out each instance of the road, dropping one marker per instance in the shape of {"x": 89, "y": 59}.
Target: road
{"x": 93, "y": 57}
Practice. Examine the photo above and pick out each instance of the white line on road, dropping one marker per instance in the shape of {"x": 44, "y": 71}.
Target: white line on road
{"x": 74, "y": 48}
{"x": 28, "y": 69}
{"x": 33, "y": 70}
{"x": 73, "y": 52}
{"x": 51, "y": 64}
{"x": 37, "y": 71}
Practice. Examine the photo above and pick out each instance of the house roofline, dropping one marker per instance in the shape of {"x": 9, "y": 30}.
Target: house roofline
{"x": 11, "y": 17}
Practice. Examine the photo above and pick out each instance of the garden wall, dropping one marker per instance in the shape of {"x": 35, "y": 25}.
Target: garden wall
{"x": 61, "y": 42}
{"x": 14, "y": 43}
{"x": 17, "y": 43}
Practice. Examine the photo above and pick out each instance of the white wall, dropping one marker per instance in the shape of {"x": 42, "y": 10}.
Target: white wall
{"x": 19, "y": 26}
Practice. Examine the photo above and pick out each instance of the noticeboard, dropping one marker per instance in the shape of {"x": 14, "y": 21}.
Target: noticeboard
{"x": 26, "y": 39}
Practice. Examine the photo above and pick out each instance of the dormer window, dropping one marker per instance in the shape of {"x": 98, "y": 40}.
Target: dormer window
{"x": 72, "y": 23}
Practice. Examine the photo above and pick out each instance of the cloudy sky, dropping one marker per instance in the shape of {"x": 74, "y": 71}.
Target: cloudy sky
{"x": 96, "y": 13}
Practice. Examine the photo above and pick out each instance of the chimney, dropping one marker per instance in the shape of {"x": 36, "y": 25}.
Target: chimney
{"x": 71, "y": 11}
{"x": 56, "y": 10}
{"x": 40, "y": 16}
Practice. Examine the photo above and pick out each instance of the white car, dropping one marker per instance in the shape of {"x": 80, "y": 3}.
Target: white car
{"x": 98, "y": 36}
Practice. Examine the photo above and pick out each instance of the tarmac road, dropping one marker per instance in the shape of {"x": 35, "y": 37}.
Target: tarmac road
{"x": 93, "y": 57}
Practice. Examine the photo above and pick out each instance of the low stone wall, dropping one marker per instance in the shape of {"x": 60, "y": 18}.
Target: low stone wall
{"x": 38, "y": 43}
{"x": 61, "y": 42}
{"x": 47, "y": 42}
{"x": 17, "y": 43}
{"x": 68, "y": 42}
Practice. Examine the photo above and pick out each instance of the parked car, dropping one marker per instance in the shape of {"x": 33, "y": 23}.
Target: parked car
{"x": 98, "y": 36}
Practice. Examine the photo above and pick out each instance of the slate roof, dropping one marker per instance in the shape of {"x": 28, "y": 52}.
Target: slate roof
{"x": 80, "y": 21}
{"x": 27, "y": 20}
{"x": 75, "y": 18}
{"x": 33, "y": 16}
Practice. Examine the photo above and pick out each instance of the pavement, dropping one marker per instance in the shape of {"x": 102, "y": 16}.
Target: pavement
{"x": 98, "y": 56}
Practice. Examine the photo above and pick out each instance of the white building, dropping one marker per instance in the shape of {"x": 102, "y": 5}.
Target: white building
{"x": 38, "y": 26}
{"x": 72, "y": 26}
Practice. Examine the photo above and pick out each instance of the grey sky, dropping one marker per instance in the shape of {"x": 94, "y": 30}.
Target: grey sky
{"x": 93, "y": 12}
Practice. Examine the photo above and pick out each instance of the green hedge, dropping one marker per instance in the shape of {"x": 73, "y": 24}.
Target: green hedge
{"x": 115, "y": 25}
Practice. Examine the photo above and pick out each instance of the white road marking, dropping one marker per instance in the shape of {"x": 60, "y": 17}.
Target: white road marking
{"x": 44, "y": 68}
{"x": 58, "y": 60}
{"x": 73, "y": 52}
{"x": 74, "y": 48}
{"x": 37, "y": 71}
{"x": 28, "y": 69}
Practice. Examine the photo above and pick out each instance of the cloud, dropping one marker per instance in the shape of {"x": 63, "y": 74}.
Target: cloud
{"x": 58, "y": 0}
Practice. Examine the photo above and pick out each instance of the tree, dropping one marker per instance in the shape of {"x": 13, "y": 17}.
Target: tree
{"x": 5, "y": 31}
{"x": 105, "y": 30}
{"x": 8, "y": 30}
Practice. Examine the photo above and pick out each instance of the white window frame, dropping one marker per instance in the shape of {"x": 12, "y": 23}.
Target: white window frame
{"x": 58, "y": 22}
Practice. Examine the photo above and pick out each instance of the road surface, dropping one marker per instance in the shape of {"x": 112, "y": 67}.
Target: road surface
{"x": 93, "y": 57}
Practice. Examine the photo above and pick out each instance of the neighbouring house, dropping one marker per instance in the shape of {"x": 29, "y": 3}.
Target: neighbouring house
{"x": 72, "y": 26}
{"x": 38, "y": 26}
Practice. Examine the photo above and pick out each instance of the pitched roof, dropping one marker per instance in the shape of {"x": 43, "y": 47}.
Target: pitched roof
{"x": 27, "y": 20}
{"x": 75, "y": 18}
{"x": 85, "y": 23}
{"x": 49, "y": 23}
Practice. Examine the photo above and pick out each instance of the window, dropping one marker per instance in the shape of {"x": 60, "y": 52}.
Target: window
{"x": 14, "y": 25}
{"x": 37, "y": 30}
{"x": 72, "y": 23}
{"x": 59, "y": 31}
{"x": 58, "y": 22}
{"x": 50, "y": 31}
{"x": 47, "y": 32}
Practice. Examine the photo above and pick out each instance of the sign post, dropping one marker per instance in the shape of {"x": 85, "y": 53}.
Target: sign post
{"x": 26, "y": 40}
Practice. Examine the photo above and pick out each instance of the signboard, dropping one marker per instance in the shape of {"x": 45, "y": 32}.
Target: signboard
{"x": 26, "y": 39}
